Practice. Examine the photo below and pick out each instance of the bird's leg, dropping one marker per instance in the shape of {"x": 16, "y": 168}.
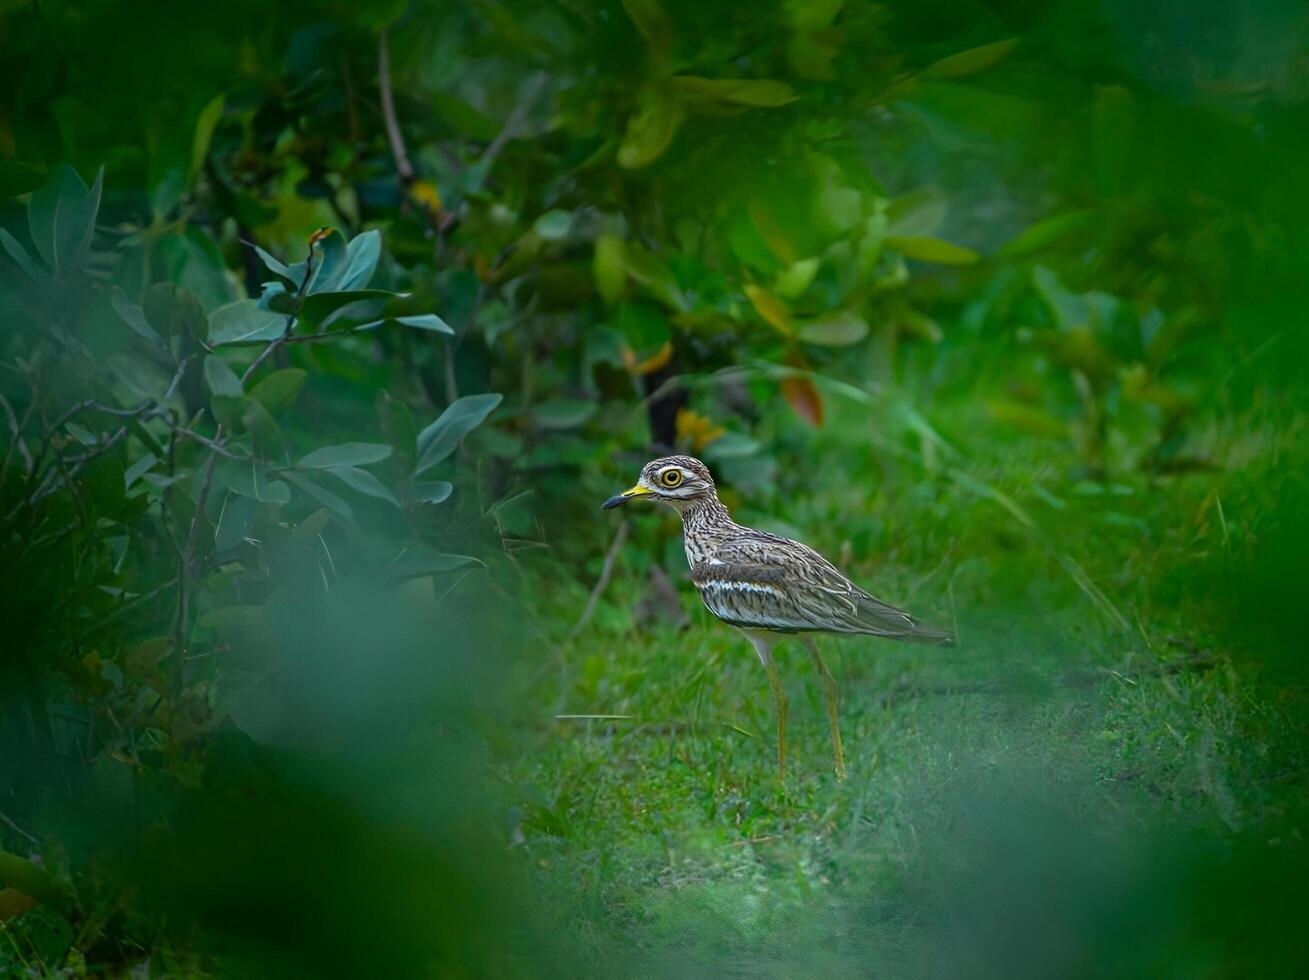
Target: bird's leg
{"x": 764, "y": 647}
{"x": 829, "y": 693}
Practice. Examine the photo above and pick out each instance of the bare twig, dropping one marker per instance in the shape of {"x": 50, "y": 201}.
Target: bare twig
{"x": 602, "y": 583}
{"x": 403, "y": 167}
{"x": 513, "y": 123}
{"x": 16, "y": 430}
{"x": 217, "y": 447}
{"x": 8, "y": 822}
{"x": 125, "y": 605}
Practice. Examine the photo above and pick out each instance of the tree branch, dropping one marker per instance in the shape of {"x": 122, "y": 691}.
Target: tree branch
{"x": 403, "y": 167}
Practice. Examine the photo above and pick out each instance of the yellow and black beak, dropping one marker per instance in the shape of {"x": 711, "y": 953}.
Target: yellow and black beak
{"x": 619, "y": 499}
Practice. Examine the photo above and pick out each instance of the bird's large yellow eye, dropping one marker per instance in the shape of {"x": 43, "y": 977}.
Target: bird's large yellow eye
{"x": 670, "y": 478}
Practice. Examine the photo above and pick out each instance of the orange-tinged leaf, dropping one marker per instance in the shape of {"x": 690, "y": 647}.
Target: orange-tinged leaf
{"x": 651, "y": 364}
{"x": 803, "y": 397}
{"x": 772, "y": 309}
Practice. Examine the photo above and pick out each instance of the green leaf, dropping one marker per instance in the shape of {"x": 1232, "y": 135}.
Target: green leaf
{"x": 243, "y": 322}
{"x": 840, "y": 329}
{"x": 650, "y": 130}
{"x": 919, "y": 212}
{"x": 430, "y": 493}
{"x": 204, "y": 133}
{"x": 932, "y": 250}
{"x": 1028, "y": 418}
{"x": 609, "y": 266}
{"x": 364, "y": 482}
{"x": 222, "y": 380}
{"x": 421, "y": 560}
{"x": 278, "y": 391}
{"x": 324, "y": 496}
{"x": 19, "y": 255}
{"x": 653, "y": 23}
{"x": 361, "y": 257}
{"x": 426, "y": 321}
{"x": 329, "y": 265}
{"x": 138, "y": 469}
{"x": 464, "y": 118}
{"x": 61, "y": 216}
{"x": 461, "y": 417}
{"x": 317, "y": 308}
{"x": 756, "y": 92}
{"x": 554, "y": 225}
{"x": 732, "y": 445}
{"x": 1050, "y": 230}
{"x": 970, "y": 61}
{"x": 796, "y": 278}
{"x": 653, "y": 274}
{"x": 234, "y": 521}
{"x": 275, "y": 265}
{"x": 134, "y": 317}
{"x": 345, "y": 454}
{"x": 562, "y": 413}
{"x": 250, "y": 480}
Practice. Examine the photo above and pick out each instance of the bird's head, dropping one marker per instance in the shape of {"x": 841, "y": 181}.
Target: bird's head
{"x": 678, "y": 481}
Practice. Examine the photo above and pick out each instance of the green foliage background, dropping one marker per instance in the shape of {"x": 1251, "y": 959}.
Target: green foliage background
{"x": 325, "y": 329}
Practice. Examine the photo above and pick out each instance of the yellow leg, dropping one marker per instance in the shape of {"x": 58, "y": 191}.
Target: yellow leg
{"x": 763, "y": 646}
{"x": 829, "y": 693}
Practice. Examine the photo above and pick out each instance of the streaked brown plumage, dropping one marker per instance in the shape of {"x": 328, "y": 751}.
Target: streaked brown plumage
{"x": 768, "y": 586}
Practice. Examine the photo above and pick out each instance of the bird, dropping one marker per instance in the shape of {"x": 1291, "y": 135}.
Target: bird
{"x": 767, "y": 586}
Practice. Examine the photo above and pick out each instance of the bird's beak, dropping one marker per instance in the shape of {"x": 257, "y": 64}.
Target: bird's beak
{"x": 624, "y": 497}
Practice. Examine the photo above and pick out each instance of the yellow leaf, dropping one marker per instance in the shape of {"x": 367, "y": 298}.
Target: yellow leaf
{"x": 772, "y": 309}
{"x": 695, "y": 430}
{"x": 425, "y": 193}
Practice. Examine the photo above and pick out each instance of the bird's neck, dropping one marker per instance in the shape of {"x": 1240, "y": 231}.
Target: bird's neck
{"x": 705, "y": 522}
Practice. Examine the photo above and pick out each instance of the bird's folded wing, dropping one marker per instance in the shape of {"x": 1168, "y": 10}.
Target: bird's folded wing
{"x": 766, "y": 582}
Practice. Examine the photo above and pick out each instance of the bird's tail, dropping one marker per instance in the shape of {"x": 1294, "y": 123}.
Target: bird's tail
{"x": 881, "y": 619}
{"x": 922, "y": 634}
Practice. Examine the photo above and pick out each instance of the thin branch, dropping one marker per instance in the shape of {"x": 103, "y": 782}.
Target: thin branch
{"x": 186, "y": 556}
{"x": 403, "y": 167}
{"x": 513, "y": 123}
{"x": 9, "y": 822}
{"x": 606, "y": 572}
{"x": 313, "y": 338}
{"x": 125, "y": 605}
{"x": 16, "y": 429}
{"x": 217, "y": 447}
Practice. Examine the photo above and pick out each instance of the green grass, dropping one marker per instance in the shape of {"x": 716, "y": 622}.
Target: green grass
{"x": 1096, "y": 756}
